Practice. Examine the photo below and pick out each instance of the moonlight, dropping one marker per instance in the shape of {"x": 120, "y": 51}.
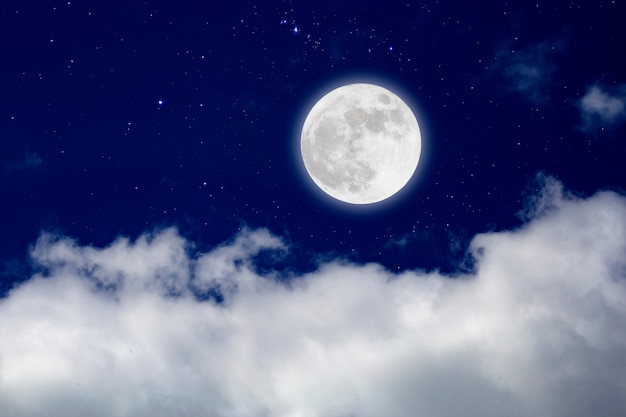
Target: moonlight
{"x": 360, "y": 143}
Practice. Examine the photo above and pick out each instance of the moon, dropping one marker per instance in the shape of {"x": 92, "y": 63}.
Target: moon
{"x": 360, "y": 143}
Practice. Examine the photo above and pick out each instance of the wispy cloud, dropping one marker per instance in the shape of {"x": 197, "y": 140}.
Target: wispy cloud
{"x": 133, "y": 329}
{"x": 530, "y": 70}
{"x": 31, "y": 160}
{"x": 601, "y": 108}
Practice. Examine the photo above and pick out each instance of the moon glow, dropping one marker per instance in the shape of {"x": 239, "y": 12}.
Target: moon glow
{"x": 360, "y": 143}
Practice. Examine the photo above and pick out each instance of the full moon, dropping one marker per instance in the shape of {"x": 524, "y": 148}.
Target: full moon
{"x": 360, "y": 143}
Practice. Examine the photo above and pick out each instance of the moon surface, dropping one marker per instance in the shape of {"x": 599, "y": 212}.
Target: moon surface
{"x": 360, "y": 143}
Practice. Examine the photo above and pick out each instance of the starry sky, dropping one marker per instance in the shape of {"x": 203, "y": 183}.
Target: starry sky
{"x": 152, "y": 193}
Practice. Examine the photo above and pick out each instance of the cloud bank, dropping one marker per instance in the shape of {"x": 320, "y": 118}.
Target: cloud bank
{"x": 133, "y": 329}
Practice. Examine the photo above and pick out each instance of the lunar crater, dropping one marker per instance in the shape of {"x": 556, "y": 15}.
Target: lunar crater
{"x": 376, "y": 121}
{"x": 355, "y": 117}
{"x": 384, "y": 98}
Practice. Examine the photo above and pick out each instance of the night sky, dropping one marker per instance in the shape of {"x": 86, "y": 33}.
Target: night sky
{"x": 172, "y": 129}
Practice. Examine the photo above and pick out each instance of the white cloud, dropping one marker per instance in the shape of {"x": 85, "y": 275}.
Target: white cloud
{"x": 118, "y": 331}
{"x": 600, "y": 109}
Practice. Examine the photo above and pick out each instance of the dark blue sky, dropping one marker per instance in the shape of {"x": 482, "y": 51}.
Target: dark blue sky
{"x": 87, "y": 150}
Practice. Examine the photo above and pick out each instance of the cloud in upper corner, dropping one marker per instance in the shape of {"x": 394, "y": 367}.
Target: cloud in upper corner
{"x": 133, "y": 329}
{"x": 530, "y": 71}
{"x": 601, "y": 109}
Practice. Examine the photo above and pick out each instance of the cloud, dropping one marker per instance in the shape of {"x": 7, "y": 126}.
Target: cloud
{"x": 530, "y": 71}
{"x": 600, "y": 109}
{"x": 134, "y": 329}
{"x": 31, "y": 161}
